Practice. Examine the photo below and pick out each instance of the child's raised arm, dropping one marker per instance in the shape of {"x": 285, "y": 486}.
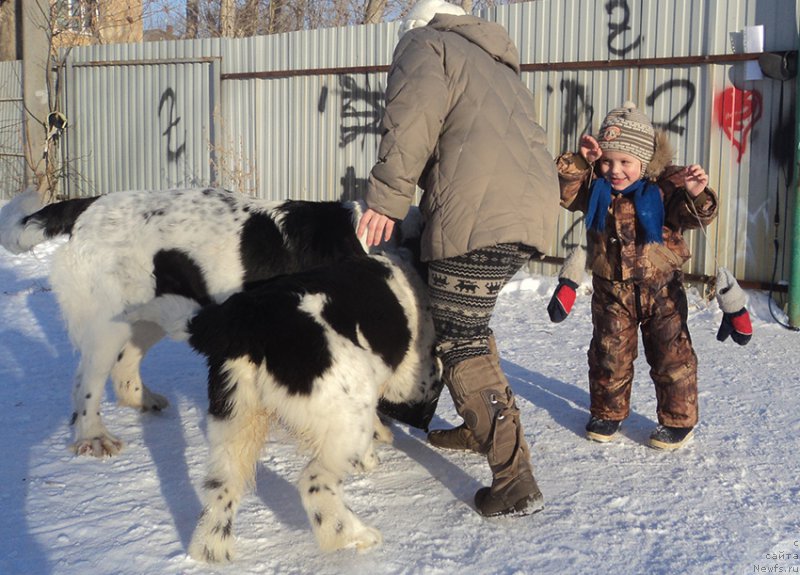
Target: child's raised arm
{"x": 695, "y": 180}
{"x": 590, "y": 149}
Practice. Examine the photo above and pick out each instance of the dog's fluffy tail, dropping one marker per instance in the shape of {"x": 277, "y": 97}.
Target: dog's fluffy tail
{"x": 171, "y": 312}
{"x": 24, "y": 223}
{"x": 15, "y": 235}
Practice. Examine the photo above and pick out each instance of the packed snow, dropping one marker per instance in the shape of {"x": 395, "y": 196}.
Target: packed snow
{"x": 728, "y": 502}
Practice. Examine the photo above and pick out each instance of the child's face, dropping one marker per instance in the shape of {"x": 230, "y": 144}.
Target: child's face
{"x": 620, "y": 169}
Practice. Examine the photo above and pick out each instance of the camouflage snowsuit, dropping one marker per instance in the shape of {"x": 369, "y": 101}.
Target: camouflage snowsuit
{"x": 639, "y": 286}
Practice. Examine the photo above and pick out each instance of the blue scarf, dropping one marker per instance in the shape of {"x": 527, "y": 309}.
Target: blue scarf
{"x": 646, "y": 199}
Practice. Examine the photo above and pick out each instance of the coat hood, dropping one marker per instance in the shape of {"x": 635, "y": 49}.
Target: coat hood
{"x": 489, "y": 36}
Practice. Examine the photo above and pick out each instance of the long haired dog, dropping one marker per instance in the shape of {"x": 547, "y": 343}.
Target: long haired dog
{"x": 127, "y": 248}
{"x": 314, "y": 351}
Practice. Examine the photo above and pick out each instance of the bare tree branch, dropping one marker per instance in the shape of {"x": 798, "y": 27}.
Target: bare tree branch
{"x": 374, "y": 11}
{"x": 227, "y": 18}
{"x": 192, "y": 18}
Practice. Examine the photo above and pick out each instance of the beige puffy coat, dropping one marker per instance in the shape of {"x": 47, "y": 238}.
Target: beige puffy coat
{"x": 460, "y": 123}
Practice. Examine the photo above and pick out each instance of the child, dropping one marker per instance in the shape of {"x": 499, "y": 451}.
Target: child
{"x": 637, "y": 206}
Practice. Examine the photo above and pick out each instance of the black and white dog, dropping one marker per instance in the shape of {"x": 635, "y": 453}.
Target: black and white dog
{"x": 314, "y": 351}
{"x": 127, "y": 248}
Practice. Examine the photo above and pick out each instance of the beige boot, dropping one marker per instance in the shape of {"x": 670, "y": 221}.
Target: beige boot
{"x": 460, "y": 438}
{"x": 483, "y": 398}
{"x": 514, "y": 489}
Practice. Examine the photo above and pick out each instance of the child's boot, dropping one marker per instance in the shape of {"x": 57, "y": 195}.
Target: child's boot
{"x": 670, "y": 438}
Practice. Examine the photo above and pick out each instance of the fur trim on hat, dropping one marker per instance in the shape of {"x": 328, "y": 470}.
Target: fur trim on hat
{"x": 424, "y": 11}
{"x": 662, "y": 156}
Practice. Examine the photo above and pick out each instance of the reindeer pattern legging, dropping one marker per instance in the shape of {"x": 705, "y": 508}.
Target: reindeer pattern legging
{"x": 463, "y": 292}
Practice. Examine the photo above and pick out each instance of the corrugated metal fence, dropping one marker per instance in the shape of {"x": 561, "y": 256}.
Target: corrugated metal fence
{"x": 12, "y": 163}
{"x": 297, "y": 115}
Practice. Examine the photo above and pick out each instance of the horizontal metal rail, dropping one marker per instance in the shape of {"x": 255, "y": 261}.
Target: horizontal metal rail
{"x": 539, "y": 67}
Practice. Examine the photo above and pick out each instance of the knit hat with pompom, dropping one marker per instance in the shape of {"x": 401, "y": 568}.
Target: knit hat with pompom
{"x": 628, "y": 130}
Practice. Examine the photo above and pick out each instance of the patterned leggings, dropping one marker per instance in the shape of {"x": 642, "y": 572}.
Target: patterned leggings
{"x": 463, "y": 292}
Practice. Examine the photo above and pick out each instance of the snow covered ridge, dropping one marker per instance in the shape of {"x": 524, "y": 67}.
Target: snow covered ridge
{"x": 727, "y": 503}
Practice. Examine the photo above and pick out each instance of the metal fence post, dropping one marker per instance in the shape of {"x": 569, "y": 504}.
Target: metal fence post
{"x": 794, "y": 280}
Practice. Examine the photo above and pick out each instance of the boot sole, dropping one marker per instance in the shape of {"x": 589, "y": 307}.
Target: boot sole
{"x": 599, "y": 437}
{"x": 664, "y": 446}
{"x": 451, "y": 447}
{"x": 532, "y": 507}
{"x": 529, "y": 505}
{"x": 461, "y": 449}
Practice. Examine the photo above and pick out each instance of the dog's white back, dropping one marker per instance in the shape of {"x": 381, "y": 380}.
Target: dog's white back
{"x": 126, "y": 248}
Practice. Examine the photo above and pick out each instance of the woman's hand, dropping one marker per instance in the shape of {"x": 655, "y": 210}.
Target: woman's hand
{"x": 590, "y": 149}
{"x": 378, "y": 227}
{"x": 695, "y": 180}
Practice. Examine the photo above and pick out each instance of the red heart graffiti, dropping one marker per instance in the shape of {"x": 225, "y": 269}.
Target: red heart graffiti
{"x": 737, "y": 111}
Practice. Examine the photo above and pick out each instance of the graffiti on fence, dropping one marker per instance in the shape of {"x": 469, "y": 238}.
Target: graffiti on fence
{"x": 360, "y": 112}
{"x": 667, "y": 90}
{"x": 619, "y": 27}
{"x": 167, "y": 102}
{"x": 737, "y": 112}
{"x": 577, "y": 105}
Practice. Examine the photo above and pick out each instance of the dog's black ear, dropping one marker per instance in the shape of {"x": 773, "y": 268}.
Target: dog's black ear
{"x": 779, "y": 65}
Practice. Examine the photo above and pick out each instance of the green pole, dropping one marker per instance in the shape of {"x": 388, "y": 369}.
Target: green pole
{"x": 794, "y": 280}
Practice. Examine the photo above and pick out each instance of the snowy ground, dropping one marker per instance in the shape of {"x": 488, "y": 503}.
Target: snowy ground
{"x": 727, "y": 503}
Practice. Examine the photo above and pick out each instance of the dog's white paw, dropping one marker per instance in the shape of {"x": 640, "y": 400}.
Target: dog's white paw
{"x": 153, "y": 401}
{"x": 370, "y": 460}
{"x": 105, "y": 445}
{"x": 347, "y": 532}
{"x": 365, "y": 538}
{"x": 138, "y": 396}
{"x": 211, "y": 545}
{"x": 381, "y": 432}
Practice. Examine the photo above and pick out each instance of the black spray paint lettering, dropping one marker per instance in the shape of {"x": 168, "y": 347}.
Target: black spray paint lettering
{"x": 574, "y": 232}
{"x": 361, "y": 110}
{"x": 576, "y": 104}
{"x": 667, "y": 89}
{"x": 620, "y": 26}
{"x": 168, "y": 99}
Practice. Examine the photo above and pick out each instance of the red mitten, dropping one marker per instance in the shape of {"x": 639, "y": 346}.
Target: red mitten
{"x": 735, "y": 317}
{"x": 569, "y": 277}
{"x": 561, "y": 303}
{"x": 737, "y": 325}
